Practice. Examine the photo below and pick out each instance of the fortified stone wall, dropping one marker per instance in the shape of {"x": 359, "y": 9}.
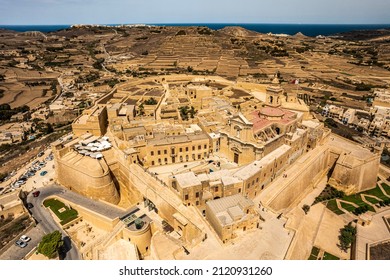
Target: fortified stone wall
{"x": 94, "y": 218}
{"x": 141, "y": 238}
{"x": 127, "y": 192}
{"x": 356, "y": 168}
{"x": 354, "y": 178}
{"x": 167, "y": 204}
{"x": 286, "y": 192}
{"x": 80, "y": 180}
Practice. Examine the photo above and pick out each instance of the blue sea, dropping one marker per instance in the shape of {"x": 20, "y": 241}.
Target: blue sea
{"x": 291, "y": 29}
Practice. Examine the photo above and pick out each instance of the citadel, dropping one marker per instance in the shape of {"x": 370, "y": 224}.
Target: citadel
{"x": 195, "y": 162}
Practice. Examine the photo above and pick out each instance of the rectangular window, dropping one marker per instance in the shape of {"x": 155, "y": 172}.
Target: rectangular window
{"x": 216, "y": 189}
{"x": 152, "y": 153}
{"x": 193, "y": 148}
{"x": 159, "y": 152}
{"x": 181, "y": 149}
{"x": 197, "y": 194}
{"x": 165, "y": 152}
{"x": 199, "y": 156}
{"x": 257, "y": 180}
{"x": 199, "y": 147}
{"x": 205, "y": 146}
{"x": 152, "y": 162}
{"x": 197, "y": 203}
{"x": 186, "y": 197}
{"x": 186, "y": 149}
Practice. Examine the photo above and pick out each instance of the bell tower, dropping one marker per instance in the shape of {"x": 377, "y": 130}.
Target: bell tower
{"x": 274, "y": 95}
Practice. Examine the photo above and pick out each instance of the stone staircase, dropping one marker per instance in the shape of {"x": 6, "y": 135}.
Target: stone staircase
{"x": 92, "y": 250}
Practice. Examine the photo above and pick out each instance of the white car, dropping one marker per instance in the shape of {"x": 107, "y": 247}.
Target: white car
{"x": 25, "y": 238}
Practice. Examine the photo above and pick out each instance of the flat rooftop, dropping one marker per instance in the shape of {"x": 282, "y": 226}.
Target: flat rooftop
{"x": 187, "y": 180}
{"x": 229, "y": 209}
{"x": 177, "y": 139}
{"x": 254, "y": 167}
{"x": 352, "y": 148}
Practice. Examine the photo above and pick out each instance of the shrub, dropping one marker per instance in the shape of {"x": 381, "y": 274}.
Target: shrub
{"x": 50, "y": 245}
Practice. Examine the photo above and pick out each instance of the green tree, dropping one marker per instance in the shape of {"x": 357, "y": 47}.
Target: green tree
{"x": 49, "y": 128}
{"x": 141, "y": 109}
{"x": 347, "y": 236}
{"x": 306, "y": 208}
{"x": 151, "y": 101}
{"x": 184, "y": 113}
{"x": 192, "y": 112}
{"x": 50, "y": 245}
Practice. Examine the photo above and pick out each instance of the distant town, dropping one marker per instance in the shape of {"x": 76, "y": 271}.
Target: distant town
{"x": 186, "y": 143}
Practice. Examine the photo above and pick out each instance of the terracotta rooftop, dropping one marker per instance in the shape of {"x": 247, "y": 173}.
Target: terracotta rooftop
{"x": 272, "y": 112}
{"x": 265, "y": 117}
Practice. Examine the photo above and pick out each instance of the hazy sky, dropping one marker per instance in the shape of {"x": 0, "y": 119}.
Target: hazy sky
{"x": 194, "y": 11}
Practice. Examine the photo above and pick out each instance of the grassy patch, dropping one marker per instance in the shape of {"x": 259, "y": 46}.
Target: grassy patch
{"x": 332, "y": 206}
{"x": 386, "y": 188}
{"x": 328, "y": 193}
{"x": 354, "y": 198}
{"x": 65, "y": 216}
{"x": 376, "y": 192}
{"x": 357, "y": 199}
{"x": 328, "y": 256}
{"x": 314, "y": 253}
{"x": 347, "y": 206}
{"x": 372, "y": 200}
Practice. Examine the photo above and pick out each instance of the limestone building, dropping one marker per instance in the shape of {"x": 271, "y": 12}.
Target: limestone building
{"x": 229, "y": 216}
{"x": 257, "y": 144}
{"x": 92, "y": 121}
{"x": 84, "y": 171}
{"x": 11, "y": 205}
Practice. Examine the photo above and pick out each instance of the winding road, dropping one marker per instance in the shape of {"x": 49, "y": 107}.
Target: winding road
{"x": 46, "y": 222}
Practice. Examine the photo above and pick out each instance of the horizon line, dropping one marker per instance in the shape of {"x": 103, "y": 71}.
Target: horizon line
{"x": 195, "y": 23}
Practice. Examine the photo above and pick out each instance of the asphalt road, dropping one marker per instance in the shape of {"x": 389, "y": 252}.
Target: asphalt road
{"x": 46, "y": 222}
{"x": 17, "y": 253}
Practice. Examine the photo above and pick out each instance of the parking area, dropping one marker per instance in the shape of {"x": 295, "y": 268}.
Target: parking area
{"x": 17, "y": 253}
{"x": 36, "y": 174}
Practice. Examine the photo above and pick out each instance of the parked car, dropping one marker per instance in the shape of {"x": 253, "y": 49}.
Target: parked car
{"x": 21, "y": 243}
{"x": 30, "y": 205}
{"x": 43, "y": 173}
{"x": 36, "y": 193}
{"x": 25, "y": 238}
{"x": 40, "y": 154}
